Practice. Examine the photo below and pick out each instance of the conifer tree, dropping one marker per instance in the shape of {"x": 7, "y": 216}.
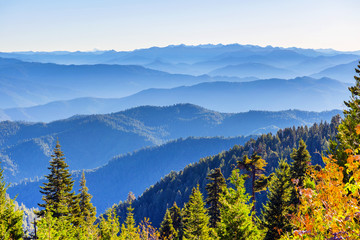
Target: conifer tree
{"x": 60, "y": 227}
{"x": 236, "y": 215}
{"x": 256, "y": 166}
{"x": 167, "y": 230}
{"x": 175, "y": 213}
{"x": 276, "y": 213}
{"x": 57, "y": 195}
{"x": 214, "y": 190}
{"x": 148, "y": 232}
{"x": 86, "y": 208}
{"x": 10, "y": 218}
{"x": 347, "y": 136}
{"x": 109, "y": 226}
{"x": 301, "y": 161}
{"x": 195, "y": 218}
{"x": 129, "y": 230}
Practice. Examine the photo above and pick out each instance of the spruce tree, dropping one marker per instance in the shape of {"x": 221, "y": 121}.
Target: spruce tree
{"x": 301, "y": 161}
{"x": 255, "y": 166}
{"x": 109, "y": 226}
{"x": 347, "y": 136}
{"x": 276, "y": 213}
{"x": 167, "y": 230}
{"x": 10, "y": 218}
{"x": 195, "y": 218}
{"x": 236, "y": 215}
{"x": 57, "y": 191}
{"x": 86, "y": 208}
{"x": 214, "y": 190}
{"x": 175, "y": 213}
{"x": 129, "y": 230}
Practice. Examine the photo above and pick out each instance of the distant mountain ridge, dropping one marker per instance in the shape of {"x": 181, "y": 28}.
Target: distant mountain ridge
{"x": 270, "y": 95}
{"x": 30, "y": 83}
{"x": 90, "y": 141}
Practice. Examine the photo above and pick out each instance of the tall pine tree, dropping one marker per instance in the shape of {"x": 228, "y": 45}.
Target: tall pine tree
{"x": 301, "y": 161}
{"x": 129, "y": 230}
{"x": 57, "y": 191}
{"x": 276, "y": 213}
{"x": 256, "y": 167}
{"x": 87, "y": 210}
{"x": 236, "y": 216}
{"x": 347, "y": 136}
{"x": 214, "y": 190}
{"x": 10, "y": 218}
{"x": 109, "y": 225}
{"x": 175, "y": 213}
{"x": 195, "y": 218}
{"x": 167, "y": 230}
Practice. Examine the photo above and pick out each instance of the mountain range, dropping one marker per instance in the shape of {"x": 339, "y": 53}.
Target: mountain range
{"x": 300, "y": 93}
{"x": 91, "y": 141}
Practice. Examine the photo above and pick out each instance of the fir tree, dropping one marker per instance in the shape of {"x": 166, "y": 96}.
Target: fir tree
{"x": 301, "y": 161}
{"x": 60, "y": 227}
{"x": 214, "y": 190}
{"x": 256, "y": 166}
{"x": 175, "y": 213}
{"x": 87, "y": 210}
{"x": 109, "y": 226}
{"x": 56, "y": 191}
{"x": 195, "y": 218}
{"x": 128, "y": 230}
{"x": 10, "y": 218}
{"x": 347, "y": 136}
{"x": 236, "y": 216}
{"x": 276, "y": 213}
{"x": 167, "y": 230}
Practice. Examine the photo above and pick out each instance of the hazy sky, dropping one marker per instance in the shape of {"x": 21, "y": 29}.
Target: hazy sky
{"x": 48, "y": 25}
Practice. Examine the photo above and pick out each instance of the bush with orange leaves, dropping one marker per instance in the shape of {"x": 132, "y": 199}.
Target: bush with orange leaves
{"x": 330, "y": 208}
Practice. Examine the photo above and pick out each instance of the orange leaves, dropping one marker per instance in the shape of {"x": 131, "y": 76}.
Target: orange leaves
{"x": 357, "y": 129}
{"x": 331, "y": 208}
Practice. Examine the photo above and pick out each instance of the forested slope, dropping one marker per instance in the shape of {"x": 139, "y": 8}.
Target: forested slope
{"x": 177, "y": 186}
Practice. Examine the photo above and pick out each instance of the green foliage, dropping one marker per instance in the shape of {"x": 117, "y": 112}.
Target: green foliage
{"x": 195, "y": 218}
{"x": 299, "y": 167}
{"x": 347, "y": 134}
{"x": 109, "y": 226}
{"x": 256, "y": 166}
{"x": 236, "y": 217}
{"x": 214, "y": 190}
{"x": 175, "y": 213}
{"x": 10, "y": 218}
{"x": 348, "y": 129}
{"x": 57, "y": 228}
{"x": 167, "y": 230}
{"x": 56, "y": 191}
{"x": 87, "y": 212}
{"x": 129, "y": 231}
{"x": 276, "y": 213}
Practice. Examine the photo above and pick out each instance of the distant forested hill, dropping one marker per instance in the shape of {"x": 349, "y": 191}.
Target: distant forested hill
{"x": 176, "y": 186}
{"x": 90, "y": 141}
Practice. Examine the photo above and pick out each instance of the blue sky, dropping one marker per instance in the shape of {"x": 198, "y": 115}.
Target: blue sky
{"x": 49, "y": 25}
